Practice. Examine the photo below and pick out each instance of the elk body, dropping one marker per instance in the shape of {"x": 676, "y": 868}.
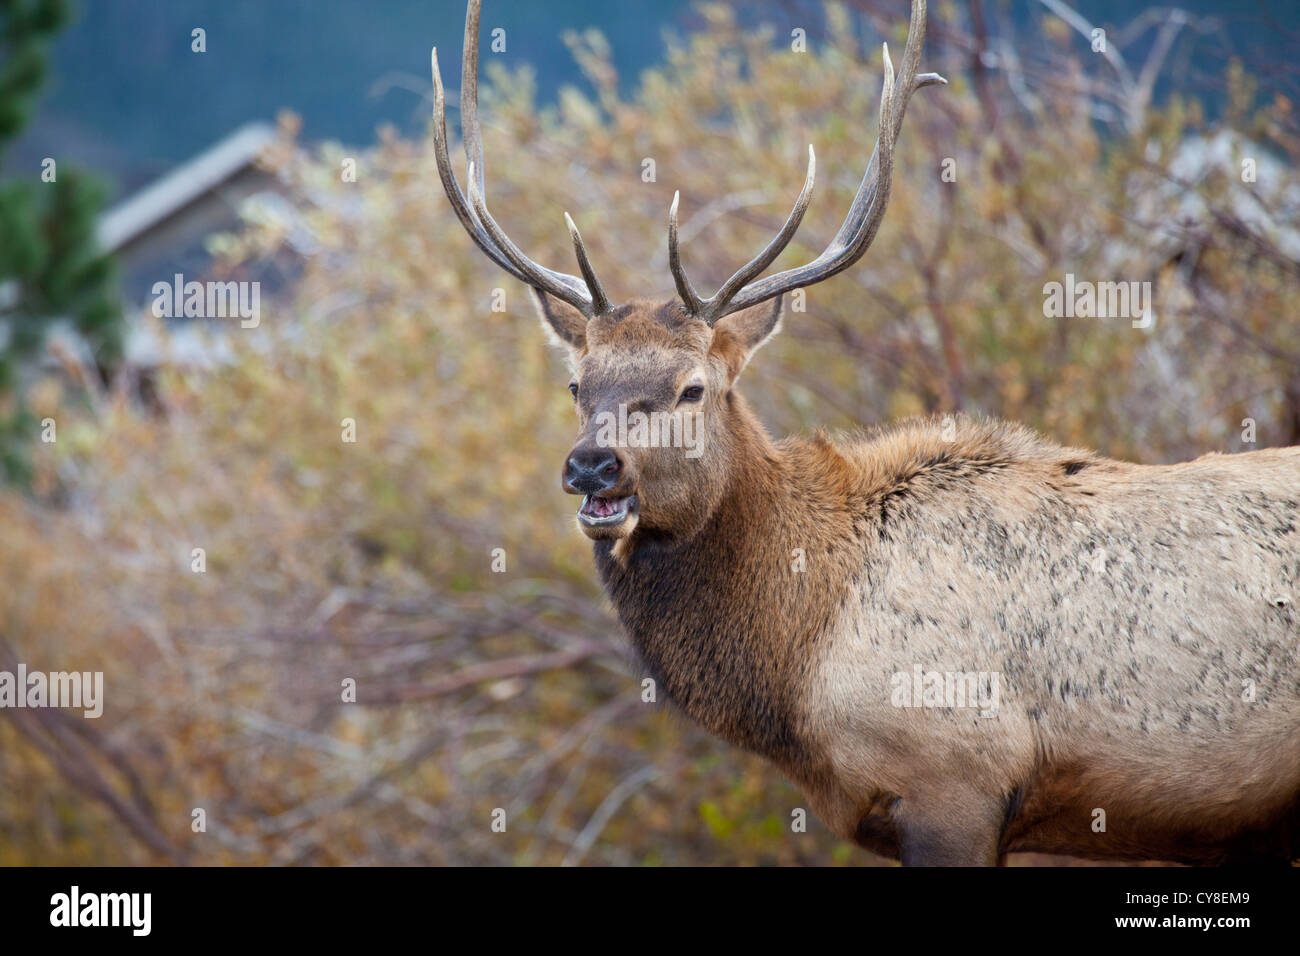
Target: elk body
{"x": 1134, "y": 631}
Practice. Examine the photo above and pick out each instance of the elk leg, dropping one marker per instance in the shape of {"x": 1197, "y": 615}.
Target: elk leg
{"x": 955, "y": 829}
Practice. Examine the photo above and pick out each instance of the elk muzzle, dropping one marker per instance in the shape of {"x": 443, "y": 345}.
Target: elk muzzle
{"x": 602, "y": 478}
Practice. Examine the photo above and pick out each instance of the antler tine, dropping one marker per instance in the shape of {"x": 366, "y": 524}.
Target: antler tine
{"x": 561, "y": 286}
{"x": 694, "y": 305}
{"x": 599, "y": 301}
{"x": 449, "y": 185}
{"x": 471, "y": 133}
{"x": 868, "y": 208}
{"x": 585, "y": 294}
{"x": 713, "y": 308}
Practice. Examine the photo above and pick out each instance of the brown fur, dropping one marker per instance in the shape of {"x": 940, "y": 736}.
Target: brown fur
{"x": 973, "y": 549}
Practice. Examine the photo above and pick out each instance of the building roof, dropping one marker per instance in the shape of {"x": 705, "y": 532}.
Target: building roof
{"x": 186, "y": 183}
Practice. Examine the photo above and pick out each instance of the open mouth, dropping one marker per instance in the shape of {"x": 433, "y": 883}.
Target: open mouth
{"x": 602, "y": 512}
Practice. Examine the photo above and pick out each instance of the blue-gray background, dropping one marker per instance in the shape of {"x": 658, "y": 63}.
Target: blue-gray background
{"x": 128, "y": 97}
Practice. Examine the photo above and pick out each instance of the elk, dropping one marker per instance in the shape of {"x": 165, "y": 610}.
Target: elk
{"x": 960, "y": 639}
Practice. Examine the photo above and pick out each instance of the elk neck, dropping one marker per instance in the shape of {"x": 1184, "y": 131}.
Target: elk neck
{"x": 725, "y": 618}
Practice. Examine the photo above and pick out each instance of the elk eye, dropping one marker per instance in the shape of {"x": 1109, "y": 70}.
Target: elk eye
{"x": 692, "y": 394}
{"x": 573, "y": 390}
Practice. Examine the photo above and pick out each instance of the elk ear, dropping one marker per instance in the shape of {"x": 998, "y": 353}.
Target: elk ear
{"x": 563, "y": 324}
{"x": 739, "y": 335}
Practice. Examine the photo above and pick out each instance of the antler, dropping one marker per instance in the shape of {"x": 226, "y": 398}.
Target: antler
{"x": 585, "y": 294}
{"x": 860, "y": 225}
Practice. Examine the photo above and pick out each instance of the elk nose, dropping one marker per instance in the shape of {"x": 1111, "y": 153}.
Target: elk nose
{"x": 591, "y": 470}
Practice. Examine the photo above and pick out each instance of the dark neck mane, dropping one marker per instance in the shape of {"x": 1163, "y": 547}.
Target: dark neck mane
{"x": 722, "y": 620}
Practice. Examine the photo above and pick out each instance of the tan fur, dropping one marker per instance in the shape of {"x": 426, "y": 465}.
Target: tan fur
{"x": 969, "y": 549}
{"x": 1124, "y": 675}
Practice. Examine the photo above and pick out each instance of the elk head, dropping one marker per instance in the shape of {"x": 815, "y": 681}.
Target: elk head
{"x": 645, "y": 371}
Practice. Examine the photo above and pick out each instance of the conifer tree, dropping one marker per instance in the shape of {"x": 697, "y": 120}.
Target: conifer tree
{"x": 51, "y": 267}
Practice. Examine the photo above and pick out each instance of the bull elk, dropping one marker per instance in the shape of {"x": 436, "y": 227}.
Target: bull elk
{"x": 960, "y": 641}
